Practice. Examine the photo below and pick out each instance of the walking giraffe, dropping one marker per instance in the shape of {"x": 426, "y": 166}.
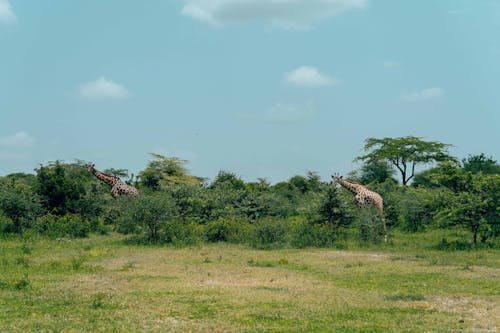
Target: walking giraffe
{"x": 118, "y": 187}
{"x": 364, "y": 196}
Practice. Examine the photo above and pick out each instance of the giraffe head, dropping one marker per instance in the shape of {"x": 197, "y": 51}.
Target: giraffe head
{"x": 336, "y": 178}
{"x": 90, "y": 166}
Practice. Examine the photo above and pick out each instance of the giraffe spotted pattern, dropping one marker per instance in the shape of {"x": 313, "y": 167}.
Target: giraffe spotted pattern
{"x": 363, "y": 197}
{"x": 118, "y": 187}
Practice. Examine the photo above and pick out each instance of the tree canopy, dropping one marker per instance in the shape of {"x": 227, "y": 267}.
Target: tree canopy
{"x": 405, "y": 153}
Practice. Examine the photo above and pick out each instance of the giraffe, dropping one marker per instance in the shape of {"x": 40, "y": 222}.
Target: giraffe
{"x": 118, "y": 187}
{"x": 364, "y": 196}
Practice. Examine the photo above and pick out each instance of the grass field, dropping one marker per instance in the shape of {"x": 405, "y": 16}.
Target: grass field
{"x": 99, "y": 284}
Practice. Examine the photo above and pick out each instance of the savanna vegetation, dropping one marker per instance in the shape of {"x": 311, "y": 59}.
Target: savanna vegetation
{"x": 189, "y": 254}
{"x": 174, "y": 207}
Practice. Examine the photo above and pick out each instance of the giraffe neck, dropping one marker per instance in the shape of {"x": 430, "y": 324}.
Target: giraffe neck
{"x": 354, "y": 188}
{"x": 108, "y": 179}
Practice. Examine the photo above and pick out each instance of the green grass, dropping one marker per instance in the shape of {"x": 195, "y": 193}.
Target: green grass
{"x": 99, "y": 284}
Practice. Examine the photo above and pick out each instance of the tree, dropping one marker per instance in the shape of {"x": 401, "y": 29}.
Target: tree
{"x": 165, "y": 171}
{"x": 479, "y": 208}
{"x": 405, "y": 153}
{"x": 60, "y": 188}
{"x": 333, "y": 211}
{"x": 19, "y": 204}
{"x": 228, "y": 180}
{"x": 475, "y": 201}
{"x": 377, "y": 171}
{"x": 481, "y": 163}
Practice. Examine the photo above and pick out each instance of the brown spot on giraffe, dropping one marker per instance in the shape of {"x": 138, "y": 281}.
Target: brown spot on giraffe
{"x": 118, "y": 187}
{"x": 363, "y": 197}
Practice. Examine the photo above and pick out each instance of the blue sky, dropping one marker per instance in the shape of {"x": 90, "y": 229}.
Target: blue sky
{"x": 261, "y": 88}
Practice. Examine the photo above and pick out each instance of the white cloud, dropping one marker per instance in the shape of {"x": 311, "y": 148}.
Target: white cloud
{"x": 17, "y": 140}
{"x": 283, "y": 113}
{"x": 424, "y": 95}
{"x": 458, "y": 11}
{"x": 102, "y": 88}
{"x": 308, "y": 76}
{"x": 6, "y": 14}
{"x": 389, "y": 64}
{"x": 284, "y": 13}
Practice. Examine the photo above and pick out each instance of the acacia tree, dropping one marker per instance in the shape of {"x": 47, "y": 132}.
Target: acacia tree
{"x": 166, "y": 171}
{"x": 405, "y": 153}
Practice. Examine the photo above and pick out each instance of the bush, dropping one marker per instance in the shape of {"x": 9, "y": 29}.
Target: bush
{"x": 417, "y": 207}
{"x": 370, "y": 226}
{"x": 268, "y": 233}
{"x": 455, "y": 245}
{"x": 62, "y": 226}
{"x": 148, "y": 215}
{"x": 220, "y": 230}
{"x": 305, "y": 234}
{"x": 181, "y": 234}
{"x": 20, "y": 205}
{"x": 6, "y": 223}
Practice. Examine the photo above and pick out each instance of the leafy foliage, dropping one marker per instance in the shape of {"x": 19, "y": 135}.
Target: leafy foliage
{"x": 164, "y": 171}
{"x": 65, "y": 200}
{"x": 405, "y": 153}
{"x": 481, "y": 164}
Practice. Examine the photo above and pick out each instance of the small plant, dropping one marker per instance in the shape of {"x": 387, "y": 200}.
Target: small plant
{"x": 98, "y": 300}
{"x": 207, "y": 260}
{"x": 405, "y": 297}
{"x": 255, "y": 263}
{"x": 128, "y": 266}
{"x": 467, "y": 267}
{"x": 283, "y": 262}
{"x": 456, "y": 245}
{"x": 22, "y": 261}
{"x": 356, "y": 264}
{"x": 26, "y": 249}
{"x": 78, "y": 263}
{"x": 22, "y": 283}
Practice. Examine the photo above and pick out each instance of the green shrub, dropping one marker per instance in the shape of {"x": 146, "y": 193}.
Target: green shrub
{"x": 20, "y": 205}
{"x": 268, "y": 233}
{"x": 62, "y": 226}
{"x": 6, "y": 223}
{"x": 182, "y": 234}
{"x": 147, "y": 215}
{"x": 304, "y": 234}
{"x": 455, "y": 245}
{"x": 22, "y": 283}
{"x": 370, "y": 226}
{"x": 226, "y": 230}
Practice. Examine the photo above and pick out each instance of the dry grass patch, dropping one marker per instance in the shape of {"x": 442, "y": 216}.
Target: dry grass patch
{"x": 229, "y": 288}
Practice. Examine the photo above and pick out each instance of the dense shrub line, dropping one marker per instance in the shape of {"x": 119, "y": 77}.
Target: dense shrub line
{"x": 65, "y": 200}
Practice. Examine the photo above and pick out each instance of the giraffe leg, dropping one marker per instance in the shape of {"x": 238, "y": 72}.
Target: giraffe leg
{"x": 115, "y": 192}
{"x": 384, "y": 225}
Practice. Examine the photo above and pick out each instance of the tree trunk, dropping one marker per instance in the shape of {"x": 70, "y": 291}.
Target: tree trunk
{"x": 475, "y": 228}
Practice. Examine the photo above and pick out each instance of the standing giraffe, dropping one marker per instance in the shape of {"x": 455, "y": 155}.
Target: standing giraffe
{"x": 364, "y": 196}
{"x": 118, "y": 187}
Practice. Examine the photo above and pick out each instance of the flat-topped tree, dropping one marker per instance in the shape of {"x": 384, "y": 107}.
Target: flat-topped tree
{"x": 405, "y": 153}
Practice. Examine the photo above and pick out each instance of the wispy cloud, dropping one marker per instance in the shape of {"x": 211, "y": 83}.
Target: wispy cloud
{"x": 284, "y": 113}
{"x": 458, "y": 11}
{"x": 284, "y": 13}
{"x": 7, "y": 16}
{"x": 102, "y": 88}
{"x": 423, "y": 95}
{"x": 308, "y": 76}
{"x": 17, "y": 140}
{"x": 390, "y": 64}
